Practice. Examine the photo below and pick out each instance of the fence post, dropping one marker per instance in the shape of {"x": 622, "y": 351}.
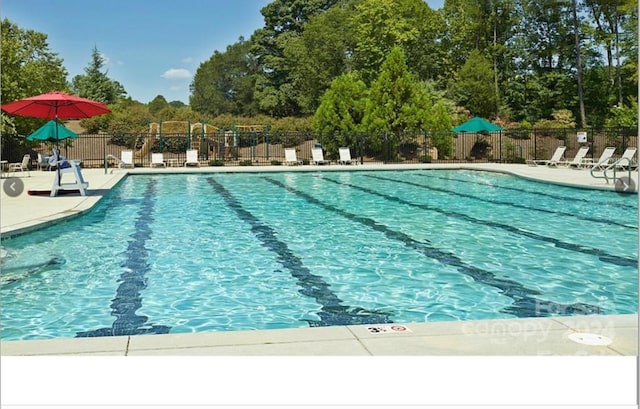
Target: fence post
{"x": 253, "y": 145}
{"x": 204, "y": 144}
{"x": 189, "y": 134}
{"x": 104, "y": 152}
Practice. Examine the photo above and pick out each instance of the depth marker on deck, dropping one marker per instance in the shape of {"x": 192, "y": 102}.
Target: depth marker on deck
{"x": 386, "y": 329}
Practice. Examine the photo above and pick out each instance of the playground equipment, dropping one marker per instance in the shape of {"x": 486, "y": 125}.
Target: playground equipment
{"x": 210, "y": 141}
{"x": 198, "y": 136}
{"x": 251, "y": 136}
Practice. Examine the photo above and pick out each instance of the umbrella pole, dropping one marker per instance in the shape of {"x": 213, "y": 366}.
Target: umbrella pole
{"x": 58, "y": 150}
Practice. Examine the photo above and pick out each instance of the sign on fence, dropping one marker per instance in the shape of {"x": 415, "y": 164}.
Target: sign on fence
{"x": 582, "y": 137}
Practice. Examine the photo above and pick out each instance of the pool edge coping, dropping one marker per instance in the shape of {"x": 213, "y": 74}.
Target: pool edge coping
{"x": 509, "y": 332}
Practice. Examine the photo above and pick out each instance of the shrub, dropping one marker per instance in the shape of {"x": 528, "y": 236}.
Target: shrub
{"x": 276, "y": 162}
{"x": 246, "y": 162}
{"x": 216, "y": 162}
{"x": 425, "y": 159}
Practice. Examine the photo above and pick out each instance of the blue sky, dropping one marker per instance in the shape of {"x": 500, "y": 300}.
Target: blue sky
{"x": 152, "y": 47}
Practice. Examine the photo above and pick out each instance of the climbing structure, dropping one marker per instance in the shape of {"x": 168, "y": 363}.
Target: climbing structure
{"x": 199, "y": 135}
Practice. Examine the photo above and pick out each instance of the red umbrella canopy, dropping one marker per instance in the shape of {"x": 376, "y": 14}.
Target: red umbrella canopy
{"x": 56, "y": 105}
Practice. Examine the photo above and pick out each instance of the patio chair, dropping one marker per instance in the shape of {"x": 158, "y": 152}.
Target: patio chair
{"x": 578, "y": 159}
{"x": 290, "y": 157}
{"x": 43, "y": 161}
{"x": 318, "y": 157}
{"x": 627, "y": 159}
{"x": 555, "y": 158}
{"x": 126, "y": 159}
{"x": 603, "y": 161}
{"x": 157, "y": 159}
{"x": 345, "y": 156}
{"x": 21, "y": 166}
{"x": 192, "y": 158}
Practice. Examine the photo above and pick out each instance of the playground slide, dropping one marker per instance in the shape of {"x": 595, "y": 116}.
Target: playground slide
{"x": 144, "y": 150}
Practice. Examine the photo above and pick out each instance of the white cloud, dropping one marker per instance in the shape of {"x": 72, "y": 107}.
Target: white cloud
{"x": 105, "y": 59}
{"x": 176, "y": 73}
{"x": 176, "y": 88}
{"x": 187, "y": 60}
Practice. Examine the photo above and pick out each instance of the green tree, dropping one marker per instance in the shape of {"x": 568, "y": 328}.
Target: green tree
{"x": 96, "y": 84}
{"x": 396, "y": 103}
{"x": 177, "y": 104}
{"x": 226, "y": 82}
{"x": 611, "y": 18}
{"x": 380, "y": 25}
{"x": 157, "y": 104}
{"x": 624, "y": 115}
{"x": 284, "y": 22}
{"x": 319, "y": 55}
{"x": 473, "y": 86}
{"x": 628, "y": 41}
{"x": 128, "y": 116}
{"x": 29, "y": 68}
{"x": 439, "y": 125}
{"x": 460, "y": 36}
{"x": 339, "y": 116}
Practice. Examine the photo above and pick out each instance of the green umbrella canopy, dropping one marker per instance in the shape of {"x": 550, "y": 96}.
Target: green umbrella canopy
{"x": 477, "y": 124}
{"x": 52, "y": 131}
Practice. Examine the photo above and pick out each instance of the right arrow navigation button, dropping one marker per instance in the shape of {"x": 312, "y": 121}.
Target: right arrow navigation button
{"x": 625, "y": 185}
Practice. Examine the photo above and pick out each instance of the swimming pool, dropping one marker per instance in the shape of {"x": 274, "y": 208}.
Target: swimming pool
{"x": 221, "y": 252}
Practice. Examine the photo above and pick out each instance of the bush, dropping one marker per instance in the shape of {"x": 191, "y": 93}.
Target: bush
{"x": 246, "y": 162}
{"x": 216, "y": 162}
{"x": 276, "y": 162}
{"x": 425, "y": 159}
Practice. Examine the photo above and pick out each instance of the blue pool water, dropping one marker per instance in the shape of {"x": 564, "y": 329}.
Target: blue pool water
{"x": 220, "y": 252}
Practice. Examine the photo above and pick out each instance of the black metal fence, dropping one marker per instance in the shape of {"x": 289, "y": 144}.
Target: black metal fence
{"x": 261, "y": 148}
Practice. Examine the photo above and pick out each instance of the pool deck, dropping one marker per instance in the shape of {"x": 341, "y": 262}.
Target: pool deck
{"x": 616, "y": 334}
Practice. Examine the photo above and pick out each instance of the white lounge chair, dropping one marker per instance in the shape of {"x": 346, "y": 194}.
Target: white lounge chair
{"x": 627, "y": 159}
{"x": 21, "y": 166}
{"x": 318, "y": 157}
{"x": 157, "y": 159}
{"x": 74, "y": 169}
{"x": 578, "y": 160}
{"x": 345, "y": 156}
{"x": 603, "y": 161}
{"x": 290, "y": 157}
{"x": 192, "y": 158}
{"x": 43, "y": 161}
{"x": 555, "y": 158}
{"x": 126, "y": 159}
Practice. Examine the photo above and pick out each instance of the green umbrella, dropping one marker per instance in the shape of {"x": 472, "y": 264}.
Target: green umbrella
{"x": 476, "y": 125}
{"x": 52, "y": 131}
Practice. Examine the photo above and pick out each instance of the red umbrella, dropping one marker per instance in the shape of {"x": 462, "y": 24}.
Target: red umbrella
{"x": 56, "y": 105}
